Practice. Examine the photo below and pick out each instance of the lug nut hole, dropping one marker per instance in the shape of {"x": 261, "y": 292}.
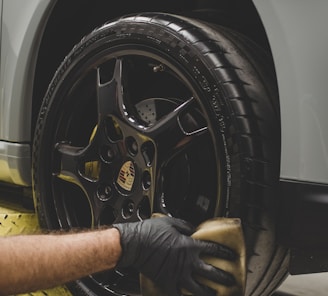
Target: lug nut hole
{"x": 104, "y": 192}
{"x": 146, "y": 180}
{"x": 148, "y": 153}
{"x": 107, "y": 154}
{"x": 132, "y": 146}
{"x": 113, "y": 130}
{"x": 128, "y": 209}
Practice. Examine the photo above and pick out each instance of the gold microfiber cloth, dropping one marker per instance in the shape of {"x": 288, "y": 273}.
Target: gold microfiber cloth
{"x": 228, "y": 232}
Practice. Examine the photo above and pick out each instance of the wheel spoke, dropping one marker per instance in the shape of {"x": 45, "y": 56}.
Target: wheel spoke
{"x": 170, "y": 136}
{"x": 158, "y": 198}
{"x": 71, "y": 159}
{"x": 111, "y": 94}
{"x": 96, "y": 210}
{"x": 68, "y": 162}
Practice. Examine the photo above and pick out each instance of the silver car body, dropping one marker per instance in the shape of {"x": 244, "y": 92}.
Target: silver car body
{"x": 21, "y": 28}
{"x": 298, "y": 38}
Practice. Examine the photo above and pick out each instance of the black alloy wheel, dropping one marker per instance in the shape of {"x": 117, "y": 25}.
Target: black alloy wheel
{"x": 160, "y": 113}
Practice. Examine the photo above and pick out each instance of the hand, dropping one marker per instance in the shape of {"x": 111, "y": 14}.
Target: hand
{"x": 163, "y": 250}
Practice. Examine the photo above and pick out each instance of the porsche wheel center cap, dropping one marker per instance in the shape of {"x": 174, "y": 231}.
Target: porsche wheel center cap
{"x": 126, "y": 176}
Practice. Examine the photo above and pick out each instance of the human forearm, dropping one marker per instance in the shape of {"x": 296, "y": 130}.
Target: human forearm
{"x": 44, "y": 261}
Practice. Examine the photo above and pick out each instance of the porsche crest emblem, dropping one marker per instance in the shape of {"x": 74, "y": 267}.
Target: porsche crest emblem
{"x": 126, "y": 176}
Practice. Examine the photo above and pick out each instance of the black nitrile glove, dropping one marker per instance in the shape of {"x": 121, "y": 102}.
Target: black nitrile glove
{"x": 163, "y": 250}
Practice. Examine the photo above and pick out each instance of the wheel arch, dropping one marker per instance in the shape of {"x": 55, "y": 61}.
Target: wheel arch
{"x": 59, "y": 25}
{"x": 67, "y": 25}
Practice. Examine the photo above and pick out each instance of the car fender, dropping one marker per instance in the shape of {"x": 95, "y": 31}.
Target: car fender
{"x": 298, "y": 38}
{"x": 22, "y": 25}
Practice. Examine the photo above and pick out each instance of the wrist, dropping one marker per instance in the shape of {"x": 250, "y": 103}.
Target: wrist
{"x": 113, "y": 238}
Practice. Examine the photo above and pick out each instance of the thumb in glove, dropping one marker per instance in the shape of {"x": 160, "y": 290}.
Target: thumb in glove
{"x": 163, "y": 250}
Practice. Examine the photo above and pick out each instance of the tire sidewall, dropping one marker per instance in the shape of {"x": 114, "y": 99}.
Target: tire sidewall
{"x": 195, "y": 68}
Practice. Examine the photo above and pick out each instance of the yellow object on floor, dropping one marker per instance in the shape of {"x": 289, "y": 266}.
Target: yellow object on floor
{"x": 15, "y": 220}
{"x": 224, "y": 231}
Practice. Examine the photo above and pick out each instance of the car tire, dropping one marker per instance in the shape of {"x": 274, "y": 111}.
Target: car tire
{"x": 190, "y": 109}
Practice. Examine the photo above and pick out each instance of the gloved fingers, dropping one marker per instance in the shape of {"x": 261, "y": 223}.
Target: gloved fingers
{"x": 197, "y": 289}
{"x": 217, "y": 250}
{"x": 171, "y": 291}
{"x": 182, "y": 226}
{"x": 215, "y": 275}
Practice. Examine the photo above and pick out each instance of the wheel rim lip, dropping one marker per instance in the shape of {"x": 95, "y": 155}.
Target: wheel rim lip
{"x": 143, "y": 54}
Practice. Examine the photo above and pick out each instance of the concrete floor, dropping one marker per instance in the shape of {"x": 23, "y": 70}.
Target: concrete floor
{"x": 305, "y": 285}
